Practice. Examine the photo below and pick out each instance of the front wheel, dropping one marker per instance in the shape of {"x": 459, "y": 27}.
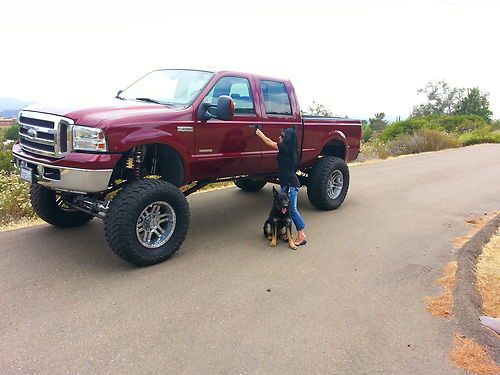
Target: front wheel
{"x": 147, "y": 222}
{"x": 51, "y": 207}
{"x": 328, "y": 183}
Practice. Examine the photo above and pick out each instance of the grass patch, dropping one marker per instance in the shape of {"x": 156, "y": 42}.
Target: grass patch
{"x": 23, "y": 223}
{"x": 488, "y": 276}
{"x": 470, "y": 356}
{"x": 14, "y": 199}
{"x": 441, "y": 306}
{"x": 372, "y": 151}
{"x": 218, "y": 186}
{"x": 449, "y": 279}
{"x": 209, "y": 187}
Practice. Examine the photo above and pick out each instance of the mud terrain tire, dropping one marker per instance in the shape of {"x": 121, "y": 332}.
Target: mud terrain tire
{"x": 142, "y": 207}
{"x": 328, "y": 183}
{"x": 50, "y": 207}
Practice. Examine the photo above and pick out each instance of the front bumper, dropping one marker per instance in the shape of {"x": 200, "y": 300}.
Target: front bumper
{"x": 55, "y": 177}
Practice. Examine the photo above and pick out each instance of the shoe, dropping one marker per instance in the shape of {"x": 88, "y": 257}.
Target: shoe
{"x": 303, "y": 242}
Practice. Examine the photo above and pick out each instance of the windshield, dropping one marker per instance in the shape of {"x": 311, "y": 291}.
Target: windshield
{"x": 170, "y": 87}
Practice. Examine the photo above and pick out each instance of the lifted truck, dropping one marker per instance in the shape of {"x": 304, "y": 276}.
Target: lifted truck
{"x": 133, "y": 161}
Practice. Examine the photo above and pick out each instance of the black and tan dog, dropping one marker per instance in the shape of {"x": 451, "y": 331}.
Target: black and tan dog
{"x": 279, "y": 222}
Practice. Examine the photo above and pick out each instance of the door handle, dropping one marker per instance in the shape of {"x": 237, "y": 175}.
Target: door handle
{"x": 255, "y": 126}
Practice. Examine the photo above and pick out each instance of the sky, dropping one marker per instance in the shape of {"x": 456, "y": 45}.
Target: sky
{"x": 357, "y": 57}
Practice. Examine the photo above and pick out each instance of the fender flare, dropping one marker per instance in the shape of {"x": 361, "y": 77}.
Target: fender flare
{"x": 336, "y": 136}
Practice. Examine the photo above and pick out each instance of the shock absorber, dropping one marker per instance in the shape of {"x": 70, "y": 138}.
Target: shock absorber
{"x": 137, "y": 164}
{"x": 134, "y": 163}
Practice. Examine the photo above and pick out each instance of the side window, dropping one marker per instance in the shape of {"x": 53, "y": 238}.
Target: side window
{"x": 237, "y": 88}
{"x": 276, "y": 99}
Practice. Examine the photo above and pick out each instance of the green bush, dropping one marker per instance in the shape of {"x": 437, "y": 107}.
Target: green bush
{"x": 451, "y": 124}
{"x": 479, "y": 136}
{"x": 14, "y": 199}
{"x": 5, "y": 158}
{"x": 495, "y": 125}
{"x": 367, "y": 132}
{"x": 461, "y": 124}
{"x": 12, "y": 132}
{"x": 422, "y": 140}
{"x": 409, "y": 126}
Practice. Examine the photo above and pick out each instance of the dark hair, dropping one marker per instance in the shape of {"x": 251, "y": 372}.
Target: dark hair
{"x": 289, "y": 146}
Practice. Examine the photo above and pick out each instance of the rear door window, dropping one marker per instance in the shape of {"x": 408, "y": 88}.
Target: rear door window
{"x": 276, "y": 99}
{"x": 238, "y": 89}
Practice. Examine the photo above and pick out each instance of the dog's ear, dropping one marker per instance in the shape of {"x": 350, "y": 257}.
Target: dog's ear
{"x": 275, "y": 192}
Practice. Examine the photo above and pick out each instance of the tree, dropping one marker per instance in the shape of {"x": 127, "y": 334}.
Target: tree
{"x": 475, "y": 103}
{"x": 441, "y": 99}
{"x": 378, "y": 123}
{"x": 366, "y": 131}
{"x": 317, "y": 109}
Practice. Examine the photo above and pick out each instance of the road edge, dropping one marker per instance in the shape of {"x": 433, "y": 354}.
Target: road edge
{"x": 468, "y": 301}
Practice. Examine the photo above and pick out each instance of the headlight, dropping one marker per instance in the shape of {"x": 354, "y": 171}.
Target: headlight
{"x": 89, "y": 139}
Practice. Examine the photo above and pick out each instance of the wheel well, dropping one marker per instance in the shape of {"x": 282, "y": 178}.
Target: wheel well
{"x": 155, "y": 159}
{"x": 334, "y": 148}
{"x": 163, "y": 160}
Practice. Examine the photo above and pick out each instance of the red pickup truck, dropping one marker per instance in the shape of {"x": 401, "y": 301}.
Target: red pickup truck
{"x": 133, "y": 161}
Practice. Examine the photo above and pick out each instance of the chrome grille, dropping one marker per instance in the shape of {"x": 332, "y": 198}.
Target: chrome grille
{"x": 44, "y": 134}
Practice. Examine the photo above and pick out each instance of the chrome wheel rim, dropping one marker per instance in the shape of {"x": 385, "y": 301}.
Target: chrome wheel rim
{"x": 335, "y": 184}
{"x": 155, "y": 225}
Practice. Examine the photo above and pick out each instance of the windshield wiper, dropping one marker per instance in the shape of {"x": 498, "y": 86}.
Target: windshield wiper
{"x": 149, "y": 100}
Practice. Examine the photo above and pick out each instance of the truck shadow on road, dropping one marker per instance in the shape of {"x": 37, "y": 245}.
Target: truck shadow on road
{"x": 224, "y": 220}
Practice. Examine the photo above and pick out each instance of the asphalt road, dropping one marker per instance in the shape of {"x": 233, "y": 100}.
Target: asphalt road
{"x": 349, "y": 302}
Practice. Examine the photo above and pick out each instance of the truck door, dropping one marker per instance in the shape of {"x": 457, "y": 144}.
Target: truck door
{"x": 279, "y": 111}
{"x": 229, "y": 148}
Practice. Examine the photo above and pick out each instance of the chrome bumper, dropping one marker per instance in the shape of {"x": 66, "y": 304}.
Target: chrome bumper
{"x": 73, "y": 180}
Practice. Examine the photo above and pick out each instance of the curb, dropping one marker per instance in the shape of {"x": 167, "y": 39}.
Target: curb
{"x": 468, "y": 301}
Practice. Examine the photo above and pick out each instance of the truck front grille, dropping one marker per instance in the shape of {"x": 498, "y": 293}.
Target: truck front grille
{"x": 44, "y": 134}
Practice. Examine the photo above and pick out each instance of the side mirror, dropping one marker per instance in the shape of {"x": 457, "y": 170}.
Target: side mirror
{"x": 224, "y": 109}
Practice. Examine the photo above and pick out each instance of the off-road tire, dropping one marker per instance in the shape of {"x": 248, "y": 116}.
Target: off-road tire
{"x": 121, "y": 220}
{"x": 44, "y": 204}
{"x": 318, "y": 179}
{"x": 250, "y": 185}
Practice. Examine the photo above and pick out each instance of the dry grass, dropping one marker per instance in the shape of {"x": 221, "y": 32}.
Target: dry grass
{"x": 449, "y": 279}
{"x": 488, "y": 276}
{"x": 441, "y": 306}
{"x": 23, "y": 223}
{"x": 470, "y": 356}
{"x": 217, "y": 186}
{"x": 476, "y": 224}
{"x": 423, "y": 140}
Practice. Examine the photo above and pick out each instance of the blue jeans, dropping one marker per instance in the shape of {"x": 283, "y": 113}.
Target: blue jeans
{"x": 296, "y": 218}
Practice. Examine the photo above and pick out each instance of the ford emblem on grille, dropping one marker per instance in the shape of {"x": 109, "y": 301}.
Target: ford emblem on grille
{"x": 32, "y": 133}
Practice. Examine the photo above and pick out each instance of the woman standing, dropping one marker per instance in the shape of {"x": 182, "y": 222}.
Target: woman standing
{"x": 288, "y": 161}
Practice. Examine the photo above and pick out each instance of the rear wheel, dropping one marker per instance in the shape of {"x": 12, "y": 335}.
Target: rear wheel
{"x": 147, "y": 222}
{"x": 51, "y": 207}
{"x": 328, "y": 183}
{"x": 249, "y": 184}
